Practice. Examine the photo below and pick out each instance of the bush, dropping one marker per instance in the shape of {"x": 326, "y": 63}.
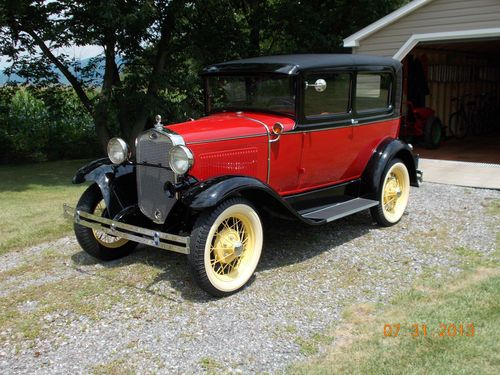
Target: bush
{"x": 44, "y": 124}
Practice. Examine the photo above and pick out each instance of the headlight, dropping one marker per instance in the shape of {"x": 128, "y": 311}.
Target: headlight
{"x": 117, "y": 150}
{"x": 180, "y": 159}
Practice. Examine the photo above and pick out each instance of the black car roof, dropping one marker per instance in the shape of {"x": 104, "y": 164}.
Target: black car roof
{"x": 294, "y": 64}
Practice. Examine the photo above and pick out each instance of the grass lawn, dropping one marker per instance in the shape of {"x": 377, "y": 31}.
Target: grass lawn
{"x": 469, "y": 298}
{"x": 31, "y": 198}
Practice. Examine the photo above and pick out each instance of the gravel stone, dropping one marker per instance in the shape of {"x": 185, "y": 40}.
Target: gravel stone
{"x": 306, "y": 277}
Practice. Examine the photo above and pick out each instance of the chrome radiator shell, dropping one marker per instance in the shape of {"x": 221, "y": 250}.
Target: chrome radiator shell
{"x": 153, "y": 172}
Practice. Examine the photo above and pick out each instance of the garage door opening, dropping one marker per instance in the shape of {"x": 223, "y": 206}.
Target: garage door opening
{"x": 460, "y": 81}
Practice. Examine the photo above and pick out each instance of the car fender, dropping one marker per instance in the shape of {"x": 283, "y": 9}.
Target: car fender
{"x": 210, "y": 193}
{"x": 109, "y": 176}
{"x": 387, "y": 150}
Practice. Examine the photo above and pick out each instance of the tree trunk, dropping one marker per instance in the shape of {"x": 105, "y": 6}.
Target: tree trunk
{"x": 141, "y": 116}
{"x": 102, "y": 132}
{"x": 101, "y": 122}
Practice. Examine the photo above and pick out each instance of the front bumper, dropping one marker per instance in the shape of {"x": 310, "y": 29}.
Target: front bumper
{"x": 166, "y": 241}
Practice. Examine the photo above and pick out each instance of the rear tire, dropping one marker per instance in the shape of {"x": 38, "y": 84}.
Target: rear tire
{"x": 393, "y": 194}
{"x": 98, "y": 244}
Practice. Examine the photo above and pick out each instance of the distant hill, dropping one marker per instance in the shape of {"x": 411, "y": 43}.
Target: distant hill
{"x": 98, "y": 74}
{"x": 5, "y": 78}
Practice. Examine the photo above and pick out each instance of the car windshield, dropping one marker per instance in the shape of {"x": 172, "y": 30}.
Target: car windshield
{"x": 251, "y": 92}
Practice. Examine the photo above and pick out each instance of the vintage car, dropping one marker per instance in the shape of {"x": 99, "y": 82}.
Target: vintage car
{"x": 311, "y": 138}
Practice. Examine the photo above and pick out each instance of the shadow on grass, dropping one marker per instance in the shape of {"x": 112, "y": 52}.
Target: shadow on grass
{"x": 285, "y": 243}
{"x": 18, "y": 178}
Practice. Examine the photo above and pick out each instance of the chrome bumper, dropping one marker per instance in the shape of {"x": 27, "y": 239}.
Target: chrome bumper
{"x": 146, "y": 236}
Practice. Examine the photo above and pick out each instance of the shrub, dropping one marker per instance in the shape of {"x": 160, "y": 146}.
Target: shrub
{"x": 44, "y": 123}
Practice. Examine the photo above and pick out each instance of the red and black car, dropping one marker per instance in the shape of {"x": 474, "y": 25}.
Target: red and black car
{"x": 309, "y": 137}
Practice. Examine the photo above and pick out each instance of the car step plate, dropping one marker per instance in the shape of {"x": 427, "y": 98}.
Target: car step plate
{"x": 338, "y": 210}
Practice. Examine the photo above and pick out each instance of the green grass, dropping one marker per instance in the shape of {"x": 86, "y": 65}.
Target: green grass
{"x": 31, "y": 198}
{"x": 362, "y": 348}
{"x": 210, "y": 365}
{"x": 469, "y": 297}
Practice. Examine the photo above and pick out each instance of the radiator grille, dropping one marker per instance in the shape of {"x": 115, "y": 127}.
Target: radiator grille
{"x": 153, "y": 148}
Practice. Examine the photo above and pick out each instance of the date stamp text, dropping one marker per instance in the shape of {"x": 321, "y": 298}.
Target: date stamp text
{"x": 423, "y": 330}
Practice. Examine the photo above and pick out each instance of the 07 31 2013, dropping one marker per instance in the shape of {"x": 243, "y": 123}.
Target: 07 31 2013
{"x": 422, "y": 330}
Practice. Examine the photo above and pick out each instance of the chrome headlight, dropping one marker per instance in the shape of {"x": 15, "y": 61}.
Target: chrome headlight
{"x": 117, "y": 150}
{"x": 180, "y": 159}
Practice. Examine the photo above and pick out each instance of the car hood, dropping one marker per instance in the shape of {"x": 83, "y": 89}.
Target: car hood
{"x": 229, "y": 125}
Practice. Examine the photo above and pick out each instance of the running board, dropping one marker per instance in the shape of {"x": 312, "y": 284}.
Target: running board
{"x": 338, "y": 210}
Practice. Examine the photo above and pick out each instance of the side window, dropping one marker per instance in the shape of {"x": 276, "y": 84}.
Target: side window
{"x": 326, "y": 94}
{"x": 372, "y": 92}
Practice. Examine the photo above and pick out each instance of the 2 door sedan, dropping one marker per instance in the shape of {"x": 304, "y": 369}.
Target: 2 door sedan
{"x": 307, "y": 137}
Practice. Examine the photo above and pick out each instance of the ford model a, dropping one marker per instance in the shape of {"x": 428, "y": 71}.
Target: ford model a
{"x": 309, "y": 137}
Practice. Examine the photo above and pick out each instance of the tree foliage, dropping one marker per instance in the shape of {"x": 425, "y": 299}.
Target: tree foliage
{"x": 153, "y": 49}
{"x": 44, "y": 123}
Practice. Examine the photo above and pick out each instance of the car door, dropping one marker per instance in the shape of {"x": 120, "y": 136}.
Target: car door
{"x": 327, "y": 133}
{"x": 374, "y": 115}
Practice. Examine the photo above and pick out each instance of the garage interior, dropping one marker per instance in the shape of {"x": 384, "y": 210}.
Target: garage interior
{"x": 469, "y": 70}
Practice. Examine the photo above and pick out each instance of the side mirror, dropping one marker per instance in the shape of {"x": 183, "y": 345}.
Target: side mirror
{"x": 319, "y": 85}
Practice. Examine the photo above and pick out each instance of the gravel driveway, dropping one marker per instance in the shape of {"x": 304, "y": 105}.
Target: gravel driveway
{"x": 64, "y": 313}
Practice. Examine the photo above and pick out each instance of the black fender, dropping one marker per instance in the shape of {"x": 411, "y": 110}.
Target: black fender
{"x": 211, "y": 192}
{"x": 117, "y": 182}
{"x": 387, "y": 150}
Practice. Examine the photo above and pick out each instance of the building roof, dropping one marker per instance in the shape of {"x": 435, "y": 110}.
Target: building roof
{"x": 294, "y": 64}
{"x": 353, "y": 40}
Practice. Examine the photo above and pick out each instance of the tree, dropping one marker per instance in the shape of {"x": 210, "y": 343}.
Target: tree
{"x": 138, "y": 32}
{"x": 153, "y": 49}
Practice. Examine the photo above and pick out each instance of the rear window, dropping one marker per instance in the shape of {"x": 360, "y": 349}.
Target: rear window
{"x": 372, "y": 91}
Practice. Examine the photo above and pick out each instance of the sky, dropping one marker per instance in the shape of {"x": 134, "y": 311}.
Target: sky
{"x": 75, "y": 51}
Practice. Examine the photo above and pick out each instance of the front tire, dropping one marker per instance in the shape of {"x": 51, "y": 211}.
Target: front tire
{"x": 99, "y": 244}
{"x": 226, "y": 244}
{"x": 393, "y": 194}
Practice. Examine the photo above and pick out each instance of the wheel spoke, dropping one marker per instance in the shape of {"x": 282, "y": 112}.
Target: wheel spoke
{"x": 224, "y": 267}
{"x": 386, "y": 204}
{"x": 242, "y": 232}
{"x": 224, "y": 257}
{"x": 236, "y": 226}
{"x": 226, "y": 225}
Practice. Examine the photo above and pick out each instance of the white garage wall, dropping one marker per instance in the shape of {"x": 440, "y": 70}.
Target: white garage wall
{"x": 436, "y": 16}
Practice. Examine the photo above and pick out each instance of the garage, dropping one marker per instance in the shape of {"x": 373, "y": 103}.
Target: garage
{"x": 451, "y": 53}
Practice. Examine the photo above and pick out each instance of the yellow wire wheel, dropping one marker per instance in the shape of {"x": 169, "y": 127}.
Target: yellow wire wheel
{"x": 393, "y": 194}
{"x": 227, "y": 247}
{"x": 102, "y": 238}
{"x": 95, "y": 242}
